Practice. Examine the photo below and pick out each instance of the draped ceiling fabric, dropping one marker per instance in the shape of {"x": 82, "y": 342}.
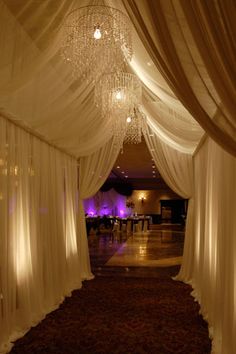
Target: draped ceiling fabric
{"x": 193, "y": 46}
{"x": 184, "y": 54}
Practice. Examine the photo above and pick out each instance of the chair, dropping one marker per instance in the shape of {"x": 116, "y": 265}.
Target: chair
{"x": 123, "y": 227}
{"x": 129, "y": 227}
{"x": 140, "y": 226}
{"x": 145, "y": 226}
{"x": 116, "y": 227}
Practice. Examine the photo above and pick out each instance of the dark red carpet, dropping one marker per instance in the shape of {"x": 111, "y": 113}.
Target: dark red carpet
{"x": 122, "y": 315}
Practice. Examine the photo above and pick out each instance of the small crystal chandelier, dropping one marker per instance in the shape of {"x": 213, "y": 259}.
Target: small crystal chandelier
{"x": 134, "y": 127}
{"x": 117, "y": 92}
{"x": 96, "y": 39}
{"x": 117, "y": 95}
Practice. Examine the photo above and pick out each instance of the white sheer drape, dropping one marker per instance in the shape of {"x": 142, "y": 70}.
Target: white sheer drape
{"x": 183, "y": 51}
{"x": 176, "y": 168}
{"x": 191, "y": 46}
{"x": 214, "y": 271}
{"x": 36, "y": 86}
{"x": 39, "y": 262}
{"x": 93, "y": 172}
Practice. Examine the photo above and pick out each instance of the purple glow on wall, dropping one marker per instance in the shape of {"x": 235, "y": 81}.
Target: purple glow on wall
{"x": 104, "y": 210}
{"x": 120, "y": 205}
{"x": 89, "y": 207}
{"x": 106, "y": 203}
{"x": 91, "y": 212}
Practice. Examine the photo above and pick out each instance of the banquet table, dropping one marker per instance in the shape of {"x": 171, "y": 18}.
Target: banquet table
{"x": 107, "y": 222}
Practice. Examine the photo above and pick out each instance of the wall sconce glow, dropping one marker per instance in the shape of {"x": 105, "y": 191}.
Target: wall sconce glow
{"x": 142, "y": 198}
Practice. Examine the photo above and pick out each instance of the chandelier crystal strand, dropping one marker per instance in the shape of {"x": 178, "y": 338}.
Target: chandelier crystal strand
{"x": 116, "y": 94}
{"x": 134, "y": 127}
{"x": 118, "y": 128}
{"x": 96, "y": 39}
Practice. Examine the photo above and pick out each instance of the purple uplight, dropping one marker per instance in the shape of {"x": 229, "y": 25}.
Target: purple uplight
{"x": 106, "y": 203}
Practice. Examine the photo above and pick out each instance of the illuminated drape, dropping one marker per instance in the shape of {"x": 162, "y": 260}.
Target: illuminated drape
{"x": 184, "y": 54}
{"x": 39, "y": 262}
{"x": 93, "y": 172}
{"x": 214, "y": 260}
{"x": 176, "y": 168}
{"x": 190, "y": 45}
{"x": 37, "y": 87}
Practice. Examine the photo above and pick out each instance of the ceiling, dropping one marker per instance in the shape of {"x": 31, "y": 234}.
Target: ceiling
{"x": 135, "y": 166}
{"x": 135, "y": 161}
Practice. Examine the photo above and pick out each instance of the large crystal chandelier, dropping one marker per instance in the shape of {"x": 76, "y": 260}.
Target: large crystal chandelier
{"x": 96, "y": 39}
{"x": 117, "y": 94}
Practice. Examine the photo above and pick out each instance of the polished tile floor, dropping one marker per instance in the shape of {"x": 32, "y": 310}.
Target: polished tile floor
{"x": 159, "y": 251}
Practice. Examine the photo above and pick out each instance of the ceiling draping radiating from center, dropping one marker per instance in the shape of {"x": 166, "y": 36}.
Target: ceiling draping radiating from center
{"x": 46, "y": 97}
{"x": 181, "y": 95}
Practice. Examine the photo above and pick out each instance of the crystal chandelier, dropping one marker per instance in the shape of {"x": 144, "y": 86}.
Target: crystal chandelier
{"x": 134, "y": 127}
{"x": 117, "y": 92}
{"x": 96, "y": 39}
{"x": 117, "y": 95}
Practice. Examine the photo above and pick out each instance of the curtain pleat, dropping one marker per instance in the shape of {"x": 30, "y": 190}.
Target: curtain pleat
{"x": 39, "y": 258}
{"x": 176, "y": 168}
{"x": 214, "y": 260}
{"x": 165, "y": 29}
{"x": 93, "y": 171}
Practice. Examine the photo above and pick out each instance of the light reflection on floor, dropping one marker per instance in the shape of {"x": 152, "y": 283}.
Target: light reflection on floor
{"x": 142, "y": 254}
{"x": 152, "y": 249}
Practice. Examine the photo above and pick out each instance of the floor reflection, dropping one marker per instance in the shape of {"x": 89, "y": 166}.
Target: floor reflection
{"x": 157, "y": 248}
{"x": 115, "y": 252}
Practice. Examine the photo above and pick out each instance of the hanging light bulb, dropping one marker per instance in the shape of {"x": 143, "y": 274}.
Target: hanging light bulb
{"x": 118, "y": 95}
{"x": 97, "y": 33}
{"x": 128, "y": 120}
{"x": 92, "y": 40}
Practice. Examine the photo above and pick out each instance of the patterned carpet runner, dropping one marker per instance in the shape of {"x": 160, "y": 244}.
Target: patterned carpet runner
{"x": 119, "y": 315}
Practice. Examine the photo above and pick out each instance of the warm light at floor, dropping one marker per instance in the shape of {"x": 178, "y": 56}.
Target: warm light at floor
{"x": 71, "y": 242}
{"x": 22, "y": 252}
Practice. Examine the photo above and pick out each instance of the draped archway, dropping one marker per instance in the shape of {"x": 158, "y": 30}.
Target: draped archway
{"x": 184, "y": 55}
